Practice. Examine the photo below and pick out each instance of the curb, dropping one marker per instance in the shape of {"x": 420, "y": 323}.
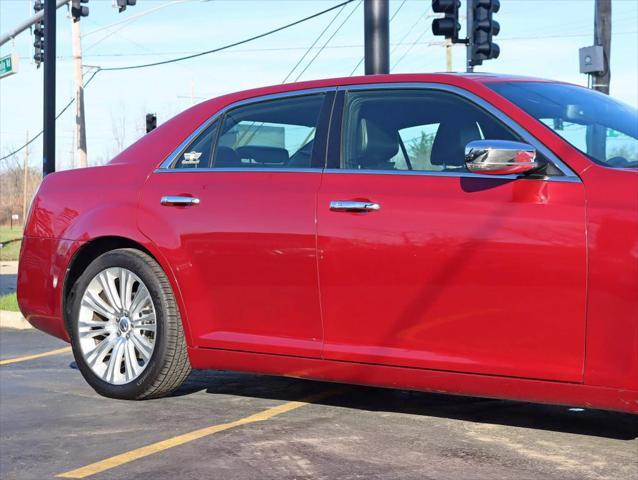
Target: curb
{"x": 13, "y": 320}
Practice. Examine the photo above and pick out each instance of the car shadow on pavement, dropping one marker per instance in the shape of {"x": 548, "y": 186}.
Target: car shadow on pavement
{"x": 592, "y": 422}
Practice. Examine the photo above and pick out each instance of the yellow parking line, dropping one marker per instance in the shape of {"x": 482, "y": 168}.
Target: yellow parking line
{"x": 37, "y": 355}
{"x": 157, "y": 447}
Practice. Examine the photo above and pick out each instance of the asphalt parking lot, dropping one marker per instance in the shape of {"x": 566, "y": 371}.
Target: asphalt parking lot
{"x": 243, "y": 426}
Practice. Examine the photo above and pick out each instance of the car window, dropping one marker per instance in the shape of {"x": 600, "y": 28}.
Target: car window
{"x": 273, "y": 134}
{"x": 413, "y": 130}
{"x": 613, "y": 148}
{"x": 198, "y": 153}
{"x": 416, "y": 148}
{"x": 601, "y": 127}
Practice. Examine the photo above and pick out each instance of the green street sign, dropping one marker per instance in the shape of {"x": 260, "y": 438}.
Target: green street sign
{"x": 8, "y": 65}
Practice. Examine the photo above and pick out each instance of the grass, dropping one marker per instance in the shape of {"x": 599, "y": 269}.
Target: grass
{"x": 9, "y": 302}
{"x": 11, "y": 250}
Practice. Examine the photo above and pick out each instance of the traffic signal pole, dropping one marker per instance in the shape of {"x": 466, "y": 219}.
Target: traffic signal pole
{"x": 376, "y": 19}
{"x": 469, "y": 67}
{"x": 48, "y": 148}
{"x": 5, "y": 37}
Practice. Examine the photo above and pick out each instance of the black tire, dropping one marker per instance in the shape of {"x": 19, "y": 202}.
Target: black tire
{"x": 168, "y": 366}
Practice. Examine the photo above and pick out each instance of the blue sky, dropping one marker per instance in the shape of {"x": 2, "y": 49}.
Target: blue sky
{"x": 538, "y": 37}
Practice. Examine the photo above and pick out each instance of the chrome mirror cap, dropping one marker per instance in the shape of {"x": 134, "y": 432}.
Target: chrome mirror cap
{"x": 500, "y": 157}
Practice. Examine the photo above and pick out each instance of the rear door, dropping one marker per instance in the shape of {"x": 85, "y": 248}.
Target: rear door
{"x": 437, "y": 267}
{"x": 245, "y": 254}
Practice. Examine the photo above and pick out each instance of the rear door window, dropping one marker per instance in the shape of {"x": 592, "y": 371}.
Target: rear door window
{"x": 271, "y": 134}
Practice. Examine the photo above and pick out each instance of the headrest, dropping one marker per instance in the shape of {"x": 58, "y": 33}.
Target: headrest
{"x": 449, "y": 143}
{"x": 226, "y": 157}
{"x": 376, "y": 143}
{"x": 263, "y": 155}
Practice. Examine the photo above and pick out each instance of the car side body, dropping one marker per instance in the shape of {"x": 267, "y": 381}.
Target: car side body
{"x": 496, "y": 286}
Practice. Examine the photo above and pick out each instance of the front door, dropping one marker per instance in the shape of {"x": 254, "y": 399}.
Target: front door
{"x": 245, "y": 254}
{"x": 435, "y": 267}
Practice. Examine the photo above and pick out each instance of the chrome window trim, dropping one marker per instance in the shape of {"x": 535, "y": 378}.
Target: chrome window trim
{"x": 500, "y": 115}
{"x": 236, "y": 169}
{"x": 166, "y": 165}
{"x": 568, "y": 174}
{"x": 436, "y": 173}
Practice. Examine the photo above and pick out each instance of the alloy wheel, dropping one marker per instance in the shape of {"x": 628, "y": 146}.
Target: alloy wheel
{"x": 117, "y": 325}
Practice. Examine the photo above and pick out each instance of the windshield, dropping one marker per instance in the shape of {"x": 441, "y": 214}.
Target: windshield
{"x": 605, "y": 129}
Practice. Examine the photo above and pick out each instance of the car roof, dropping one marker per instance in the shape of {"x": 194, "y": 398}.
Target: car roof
{"x": 463, "y": 80}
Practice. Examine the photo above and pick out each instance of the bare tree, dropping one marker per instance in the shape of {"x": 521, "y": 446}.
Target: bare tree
{"x": 12, "y": 192}
{"x": 118, "y": 130}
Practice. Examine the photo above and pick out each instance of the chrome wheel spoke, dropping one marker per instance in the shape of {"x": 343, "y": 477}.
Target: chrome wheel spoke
{"x": 148, "y": 327}
{"x": 117, "y": 325}
{"x": 146, "y": 322}
{"x": 90, "y": 323}
{"x": 99, "y": 306}
{"x": 88, "y": 332}
{"x": 110, "y": 291}
{"x": 126, "y": 288}
{"x": 115, "y": 362}
{"x": 141, "y": 300}
{"x": 100, "y": 351}
{"x": 142, "y": 345}
{"x": 133, "y": 368}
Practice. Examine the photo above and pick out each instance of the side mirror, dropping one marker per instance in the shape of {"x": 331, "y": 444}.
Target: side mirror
{"x": 499, "y": 157}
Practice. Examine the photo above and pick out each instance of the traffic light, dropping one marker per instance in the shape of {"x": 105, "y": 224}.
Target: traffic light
{"x": 122, "y": 4}
{"x": 38, "y": 34}
{"x": 484, "y": 28}
{"x": 77, "y": 10}
{"x": 151, "y": 122}
{"x": 449, "y": 25}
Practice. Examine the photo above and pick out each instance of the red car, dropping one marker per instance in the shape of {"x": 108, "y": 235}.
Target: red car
{"x": 469, "y": 234}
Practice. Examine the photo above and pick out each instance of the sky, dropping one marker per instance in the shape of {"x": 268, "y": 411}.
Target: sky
{"x": 538, "y": 37}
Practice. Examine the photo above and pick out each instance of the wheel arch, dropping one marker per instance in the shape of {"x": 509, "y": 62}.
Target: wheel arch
{"x": 95, "y": 247}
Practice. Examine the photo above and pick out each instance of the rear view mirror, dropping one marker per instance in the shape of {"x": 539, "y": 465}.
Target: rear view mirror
{"x": 500, "y": 157}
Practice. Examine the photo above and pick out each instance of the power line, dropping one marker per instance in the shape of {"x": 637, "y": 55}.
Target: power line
{"x": 261, "y": 124}
{"x": 410, "y": 31}
{"x": 409, "y": 49}
{"x": 132, "y": 18}
{"x": 225, "y": 47}
{"x": 343, "y": 46}
{"x": 309, "y": 49}
{"x": 66, "y": 107}
{"x": 231, "y": 45}
{"x": 328, "y": 41}
{"x": 391, "y": 18}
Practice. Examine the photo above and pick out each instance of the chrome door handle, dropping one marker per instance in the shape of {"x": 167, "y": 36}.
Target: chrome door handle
{"x": 178, "y": 201}
{"x": 352, "y": 206}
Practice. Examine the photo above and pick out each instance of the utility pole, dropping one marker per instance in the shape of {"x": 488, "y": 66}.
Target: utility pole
{"x": 376, "y": 22}
{"x": 596, "y": 136}
{"x": 48, "y": 148}
{"x": 602, "y": 37}
{"x": 25, "y": 181}
{"x": 80, "y": 122}
{"x": 448, "y": 55}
